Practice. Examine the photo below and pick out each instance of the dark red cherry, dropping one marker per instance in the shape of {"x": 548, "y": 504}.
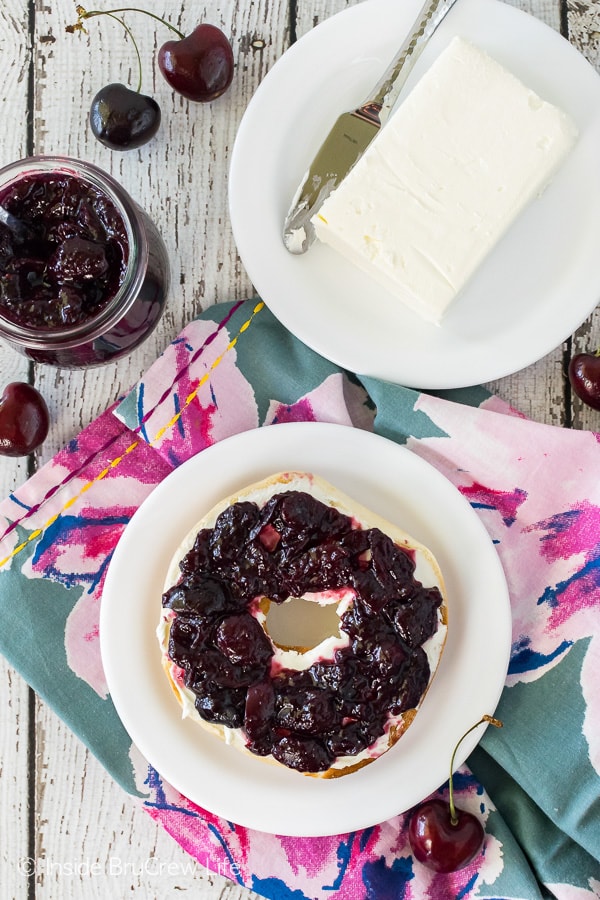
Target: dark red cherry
{"x": 438, "y": 843}
{"x": 24, "y": 419}
{"x": 584, "y": 375}
{"x": 123, "y": 119}
{"x": 198, "y": 66}
{"x": 242, "y": 640}
{"x": 443, "y": 837}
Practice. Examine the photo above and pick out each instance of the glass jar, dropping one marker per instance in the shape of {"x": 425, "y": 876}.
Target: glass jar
{"x": 84, "y": 273}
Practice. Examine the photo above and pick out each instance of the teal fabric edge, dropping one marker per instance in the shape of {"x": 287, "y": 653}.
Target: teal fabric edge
{"x": 286, "y": 349}
{"x": 393, "y": 404}
{"x": 43, "y": 665}
{"x": 528, "y": 827}
{"x": 542, "y": 707}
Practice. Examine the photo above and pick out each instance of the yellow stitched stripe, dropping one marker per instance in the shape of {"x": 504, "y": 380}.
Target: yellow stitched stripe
{"x": 117, "y": 460}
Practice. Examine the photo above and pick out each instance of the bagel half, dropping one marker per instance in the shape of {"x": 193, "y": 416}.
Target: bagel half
{"x": 290, "y": 659}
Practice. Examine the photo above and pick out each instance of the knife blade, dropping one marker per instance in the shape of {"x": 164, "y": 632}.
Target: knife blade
{"x": 354, "y": 130}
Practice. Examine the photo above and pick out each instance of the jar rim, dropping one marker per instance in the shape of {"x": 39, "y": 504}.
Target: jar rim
{"x": 98, "y": 324}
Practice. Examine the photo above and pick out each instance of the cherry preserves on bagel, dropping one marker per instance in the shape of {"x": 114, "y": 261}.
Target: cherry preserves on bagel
{"x": 323, "y": 710}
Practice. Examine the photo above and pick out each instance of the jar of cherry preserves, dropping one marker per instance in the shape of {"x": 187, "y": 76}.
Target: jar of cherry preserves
{"x": 84, "y": 273}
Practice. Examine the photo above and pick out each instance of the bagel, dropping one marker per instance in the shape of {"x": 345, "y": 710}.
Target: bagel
{"x": 324, "y": 709}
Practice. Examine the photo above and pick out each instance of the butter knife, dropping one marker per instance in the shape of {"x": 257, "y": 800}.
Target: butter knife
{"x": 353, "y": 131}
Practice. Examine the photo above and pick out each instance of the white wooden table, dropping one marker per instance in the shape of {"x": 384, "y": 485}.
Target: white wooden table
{"x": 66, "y": 830}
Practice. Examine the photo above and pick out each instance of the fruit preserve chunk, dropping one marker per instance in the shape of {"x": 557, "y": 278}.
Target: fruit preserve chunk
{"x": 304, "y": 719}
{"x": 68, "y": 261}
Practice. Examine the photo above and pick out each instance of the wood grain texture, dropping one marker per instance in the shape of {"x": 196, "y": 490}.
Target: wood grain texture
{"x": 583, "y": 23}
{"x": 16, "y": 700}
{"x": 14, "y": 72}
{"x": 89, "y": 839}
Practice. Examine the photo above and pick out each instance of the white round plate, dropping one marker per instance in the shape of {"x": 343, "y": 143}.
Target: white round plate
{"x": 394, "y": 482}
{"x": 536, "y": 287}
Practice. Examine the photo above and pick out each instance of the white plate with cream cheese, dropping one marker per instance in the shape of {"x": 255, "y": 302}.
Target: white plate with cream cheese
{"x": 538, "y": 284}
{"x": 396, "y": 484}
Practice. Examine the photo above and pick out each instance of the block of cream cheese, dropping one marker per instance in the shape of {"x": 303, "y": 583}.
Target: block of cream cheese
{"x": 444, "y": 179}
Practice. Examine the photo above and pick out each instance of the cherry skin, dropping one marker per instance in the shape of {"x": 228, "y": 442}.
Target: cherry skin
{"x": 24, "y": 419}
{"x": 438, "y": 843}
{"x": 123, "y": 119}
{"x": 198, "y": 66}
{"x": 584, "y": 375}
{"x": 443, "y": 837}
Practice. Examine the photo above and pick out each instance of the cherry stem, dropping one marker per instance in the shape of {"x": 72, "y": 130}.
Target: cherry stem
{"x": 84, "y": 14}
{"x": 491, "y": 721}
{"x": 135, "y": 46}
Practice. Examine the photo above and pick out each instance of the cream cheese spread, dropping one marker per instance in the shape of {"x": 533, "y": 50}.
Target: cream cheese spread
{"x": 463, "y": 155}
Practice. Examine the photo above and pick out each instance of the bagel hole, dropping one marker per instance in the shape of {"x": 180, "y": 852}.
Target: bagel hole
{"x": 301, "y": 623}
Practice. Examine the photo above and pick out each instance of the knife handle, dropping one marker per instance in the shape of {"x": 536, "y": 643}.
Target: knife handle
{"x": 386, "y": 91}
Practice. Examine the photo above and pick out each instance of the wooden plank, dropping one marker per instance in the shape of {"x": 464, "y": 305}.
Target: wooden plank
{"x": 181, "y": 180}
{"x": 547, "y": 11}
{"x": 14, "y": 71}
{"x": 14, "y": 781}
{"x": 583, "y": 22}
{"x": 92, "y": 840}
{"x": 15, "y": 696}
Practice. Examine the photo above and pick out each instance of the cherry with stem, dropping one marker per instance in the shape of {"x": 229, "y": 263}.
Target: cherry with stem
{"x": 199, "y": 66}
{"x": 443, "y": 837}
{"x": 121, "y": 118}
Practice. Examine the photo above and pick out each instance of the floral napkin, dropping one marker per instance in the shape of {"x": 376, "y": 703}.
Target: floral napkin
{"x": 535, "y": 783}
